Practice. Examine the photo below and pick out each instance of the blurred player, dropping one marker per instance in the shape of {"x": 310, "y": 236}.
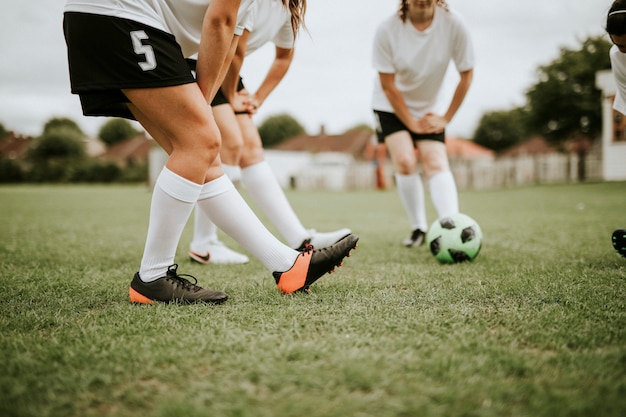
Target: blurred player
{"x": 412, "y": 51}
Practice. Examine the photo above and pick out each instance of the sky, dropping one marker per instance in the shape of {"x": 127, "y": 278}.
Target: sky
{"x": 330, "y": 80}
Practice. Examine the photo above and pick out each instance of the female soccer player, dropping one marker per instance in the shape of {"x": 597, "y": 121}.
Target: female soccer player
{"x": 242, "y": 150}
{"x": 616, "y": 28}
{"x": 127, "y": 59}
{"x": 412, "y": 51}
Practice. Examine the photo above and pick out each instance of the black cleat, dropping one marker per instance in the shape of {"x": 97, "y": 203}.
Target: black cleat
{"x": 311, "y": 264}
{"x": 172, "y": 287}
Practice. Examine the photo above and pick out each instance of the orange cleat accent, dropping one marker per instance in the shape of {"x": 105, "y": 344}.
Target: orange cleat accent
{"x": 135, "y": 297}
{"x": 295, "y": 278}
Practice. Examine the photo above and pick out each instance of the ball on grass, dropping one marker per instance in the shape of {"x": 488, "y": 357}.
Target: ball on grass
{"x": 455, "y": 238}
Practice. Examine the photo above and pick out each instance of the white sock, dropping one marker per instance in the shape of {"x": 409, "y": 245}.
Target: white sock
{"x": 204, "y": 230}
{"x": 266, "y": 192}
{"x": 173, "y": 199}
{"x": 444, "y": 194}
{"x": 233, "y": 172}
{"x": 220, "y": 200}
{"x": 411, "y": 192}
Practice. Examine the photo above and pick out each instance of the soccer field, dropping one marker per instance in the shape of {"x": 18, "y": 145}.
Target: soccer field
{"x": 535, "y": 326}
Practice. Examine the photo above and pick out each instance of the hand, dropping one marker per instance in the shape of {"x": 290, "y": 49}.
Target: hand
{"x": 432, "y": 123}
{"x": 241, "y": 102}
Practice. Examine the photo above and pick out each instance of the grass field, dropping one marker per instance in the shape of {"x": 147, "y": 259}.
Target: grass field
{"x": 535, "y": 326}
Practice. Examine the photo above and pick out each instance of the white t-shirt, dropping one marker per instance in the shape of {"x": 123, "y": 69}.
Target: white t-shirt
{"x": 618, "y": 67}
{"x": 419, "y": 60}
{"x": 181, "y": 18}
{"x": 269, "y": 21}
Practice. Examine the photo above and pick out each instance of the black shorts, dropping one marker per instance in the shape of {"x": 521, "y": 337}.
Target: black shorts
{"x": 219, "y": 98}
{"x": 388, "y": 123}
{"x": 107, "y": 54}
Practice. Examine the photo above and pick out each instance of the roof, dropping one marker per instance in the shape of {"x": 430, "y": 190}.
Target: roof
{"x": 136, "y": 148}
{"x": 536, "y": 145}
{"x": 353, "y": 142}
{"x": 14, "y": 146}
{"x": 358, "y": 143}
{"x": 458, "y": 148}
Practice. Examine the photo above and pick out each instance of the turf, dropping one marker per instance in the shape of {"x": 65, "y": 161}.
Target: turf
{"x": 535, "y": 326}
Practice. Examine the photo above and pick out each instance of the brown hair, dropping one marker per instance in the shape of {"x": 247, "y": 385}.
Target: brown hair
{"x": 403, "y": 12}
{"x": 297, "y": 8}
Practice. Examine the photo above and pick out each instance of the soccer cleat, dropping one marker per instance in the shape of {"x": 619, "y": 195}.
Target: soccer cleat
{"x": 619, "y": 241}
{"x": 172, "y": 287}
{"x": 323, "y": 239}
{"x": 312, "y": 263}
{"x": 416, "y": 239}
{"x": 218, "y": 253}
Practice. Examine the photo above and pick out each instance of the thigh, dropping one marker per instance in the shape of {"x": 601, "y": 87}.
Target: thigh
{"x": 252, "y": 144}
{"x": 232, "y": 140}
{"x": 402, "y": 152}
{"x": 433, "y": 156}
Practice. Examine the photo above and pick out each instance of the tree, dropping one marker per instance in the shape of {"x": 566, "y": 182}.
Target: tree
{"x": 278, "y": 128}
{"x": 3, "y": 131}
{"x": 499, "y": 130}
{"x": 62, "y": 123}
{"x": 56, "y": 153}
{"x": 116, "y": 131}
{"x": 565, "y": 102}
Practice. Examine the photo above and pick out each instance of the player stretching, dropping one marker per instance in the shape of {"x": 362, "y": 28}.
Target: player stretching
{"x": 242, "y": 150}
{"x": 127, "y": 59}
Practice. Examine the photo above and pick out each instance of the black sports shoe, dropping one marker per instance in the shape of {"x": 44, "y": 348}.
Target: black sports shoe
{"x": 172, "y": 287}
{"x": 417, "y": 238}
{"x": 312, "y": 263}
{"x": 619, "y": 241}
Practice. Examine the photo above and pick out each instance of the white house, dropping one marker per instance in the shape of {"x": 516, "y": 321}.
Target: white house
{"x": 613, "y": 130}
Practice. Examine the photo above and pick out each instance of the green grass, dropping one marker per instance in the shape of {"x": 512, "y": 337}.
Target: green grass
{"x": 535, "y": 326}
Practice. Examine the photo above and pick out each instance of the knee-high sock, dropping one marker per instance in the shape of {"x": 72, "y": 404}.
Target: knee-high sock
{"x": 411, "y": 192}
{"x": 444, "y": 194}
{"x": 204, "y": 230}
{"x": 173, "y": 199}
{"x": 267, "y": 193}
{"x": 228, "y": 210}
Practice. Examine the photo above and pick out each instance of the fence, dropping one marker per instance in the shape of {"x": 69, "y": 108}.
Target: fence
{"x": 477, "y": 174}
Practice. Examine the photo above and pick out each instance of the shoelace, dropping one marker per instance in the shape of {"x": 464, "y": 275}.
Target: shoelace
{"x": 186, "y": 284}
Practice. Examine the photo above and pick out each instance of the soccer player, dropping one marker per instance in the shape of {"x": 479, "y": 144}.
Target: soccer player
{"x": 616, "y": 28}
{"x": 127, "y": 59}
{"x": 412, "y": 51}
{"x": 242, "y": 150}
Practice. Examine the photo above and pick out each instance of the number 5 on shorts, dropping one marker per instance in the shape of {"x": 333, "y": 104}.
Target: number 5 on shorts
{"x": 140, "y": 49}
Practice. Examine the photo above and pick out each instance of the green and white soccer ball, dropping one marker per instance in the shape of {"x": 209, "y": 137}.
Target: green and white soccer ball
{"x": 456, "y": 238}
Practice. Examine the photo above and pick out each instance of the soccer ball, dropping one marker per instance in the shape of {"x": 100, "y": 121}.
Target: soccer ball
{"x": 456, "y": 238}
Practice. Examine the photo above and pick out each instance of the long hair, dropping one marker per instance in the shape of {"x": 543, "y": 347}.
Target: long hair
{"x": 297, "y": 8}
{"x": 616, "y": 18}
{"x": 403, "y": 12}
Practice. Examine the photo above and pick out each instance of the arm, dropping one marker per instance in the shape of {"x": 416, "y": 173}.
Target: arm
{"x": 231, "y": 79}
{"x": 217, "y": 45}
{"x": 396, "y": 100}
{"x": 438, "y": 123}
{"x": 280, "y": 66}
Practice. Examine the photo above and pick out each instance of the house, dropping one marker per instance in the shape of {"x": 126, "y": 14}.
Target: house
{"x": 349, "y": 160}
{"x": 613, "y": 130}
{"x": 133, "y": 151}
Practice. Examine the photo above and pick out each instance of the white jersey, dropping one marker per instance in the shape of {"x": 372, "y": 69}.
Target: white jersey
{"x": 618, "y": 67}
{"x": 419, "y": 60}
{"x": 269, "y": 21}
{"x": 181, "y": 18}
